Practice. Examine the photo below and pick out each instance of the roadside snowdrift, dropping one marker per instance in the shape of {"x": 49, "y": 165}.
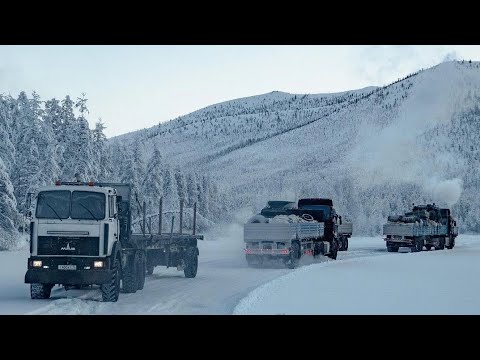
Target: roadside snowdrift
{"x": 433, "y": 282}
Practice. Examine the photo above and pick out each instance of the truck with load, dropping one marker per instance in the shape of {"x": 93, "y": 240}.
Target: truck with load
{"x": 311, "y": 228}
{"x": 81, "y": 234}
{"x": 345, "y": 230}
{"x": 425, "y": 225}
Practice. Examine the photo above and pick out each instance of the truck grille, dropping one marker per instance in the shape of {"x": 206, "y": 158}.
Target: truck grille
{"x": 58, "y": 245}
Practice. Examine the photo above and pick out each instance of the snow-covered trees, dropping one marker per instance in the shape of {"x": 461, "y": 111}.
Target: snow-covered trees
{"x": 28, "y": 134}
{"x": 39, "y": 143}
{"x": 9, "y": 217}
{"x": 171, "y": 200}
{"x": 101, "y": 153}
{"x": 192, "y": 190}
{"x": 181, "y": 185}
{"x": 153, "y": 183}
{"x": 7, "y": 150}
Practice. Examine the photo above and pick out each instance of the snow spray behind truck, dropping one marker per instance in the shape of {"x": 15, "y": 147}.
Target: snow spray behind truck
{"x": 81, "y": 234}
{"x": 425, "y": 225}
{"x": 286, "y": 232}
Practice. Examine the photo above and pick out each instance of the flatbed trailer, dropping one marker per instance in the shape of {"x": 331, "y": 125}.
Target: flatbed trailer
{"x": 82, "y": 235}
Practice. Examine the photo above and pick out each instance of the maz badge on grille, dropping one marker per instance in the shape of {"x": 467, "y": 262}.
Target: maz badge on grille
{"x": 67, "y": 248}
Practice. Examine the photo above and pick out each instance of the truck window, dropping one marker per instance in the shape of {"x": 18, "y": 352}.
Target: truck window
{"x": 111, "y": 208}
{"x": 88, "y": 205}
{"x": 53, "y": 205}
{"x": 324, "y": 208}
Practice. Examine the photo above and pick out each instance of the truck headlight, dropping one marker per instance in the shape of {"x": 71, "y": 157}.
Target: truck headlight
{"x": 98, "y": 264}
{"x": 37, "y": 263}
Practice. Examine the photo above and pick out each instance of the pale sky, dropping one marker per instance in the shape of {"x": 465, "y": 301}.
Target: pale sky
{"x": 134, "y": 87}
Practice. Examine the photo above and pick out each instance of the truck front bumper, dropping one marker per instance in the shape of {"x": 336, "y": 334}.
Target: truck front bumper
{"x": 83, "y": 272}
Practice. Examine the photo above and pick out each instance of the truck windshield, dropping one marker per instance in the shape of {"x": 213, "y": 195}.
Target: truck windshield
{"x": 53, "y": 205}
{"x": 88, "y": 205}
{"x": 324, "y": 208}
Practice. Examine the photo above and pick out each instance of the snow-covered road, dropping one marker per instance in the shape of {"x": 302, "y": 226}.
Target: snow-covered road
{"x": 433, "y": 282}
{"x": 222, "y": 281}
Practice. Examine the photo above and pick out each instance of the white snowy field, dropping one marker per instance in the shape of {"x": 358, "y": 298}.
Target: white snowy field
{"x": 433, "y": 282}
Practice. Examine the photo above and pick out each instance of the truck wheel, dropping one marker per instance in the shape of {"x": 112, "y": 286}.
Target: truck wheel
{"x": 452, "y": 244}
{"x": 250, "y": 261}
{"x": 346, "y": 244}
{"x": 150, "y": 269}
{"x": 428, "y": 247}
{"x": 341, "y": 242}
{"x": 292, "y": 262}
{"x": 334, "y": 250}
{"x": 418, "y": 245}
{"x": 130, "y": 276}
{"x": 40, "y": 291}
{"x": 141, "y": 270}
{"x": 111, "y": 290}
{"x": 441, "y": 244}
{"x": 191, "y": 262}
{"x": 257, "y": 219}
{"x": 392, "y": 248}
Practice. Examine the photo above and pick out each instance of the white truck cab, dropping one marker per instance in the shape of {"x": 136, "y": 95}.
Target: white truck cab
{"x": 72, "y": 233}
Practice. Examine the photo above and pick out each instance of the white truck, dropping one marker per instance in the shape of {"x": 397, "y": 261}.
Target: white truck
{"x": 80, "y": 234}
{"x": 345, "y": 231}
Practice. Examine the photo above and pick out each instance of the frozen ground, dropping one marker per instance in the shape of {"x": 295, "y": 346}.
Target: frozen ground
{"x": 223, "y": 279}
{"x": 434, "y": 282}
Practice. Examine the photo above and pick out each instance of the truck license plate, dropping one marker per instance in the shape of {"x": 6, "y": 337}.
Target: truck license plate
{"x": 67, "y": 267}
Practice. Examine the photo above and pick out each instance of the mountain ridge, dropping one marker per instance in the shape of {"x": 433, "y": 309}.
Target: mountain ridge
{"x": 346, "y": 145}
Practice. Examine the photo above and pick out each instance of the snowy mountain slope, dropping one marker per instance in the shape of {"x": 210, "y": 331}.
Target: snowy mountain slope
{"x": 373, "y": 150}
{"x": 394, "y": 284}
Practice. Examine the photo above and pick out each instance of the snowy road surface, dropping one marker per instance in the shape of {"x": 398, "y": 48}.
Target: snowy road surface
{"x": 434, "y": 282}
{"x": 222, "y": 281}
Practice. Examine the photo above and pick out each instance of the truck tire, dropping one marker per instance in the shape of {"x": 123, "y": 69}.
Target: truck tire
{"x": 341, "y": 242}
{"x": 257, "y": 219}
{"x": 292, "y": 261}
{"x": 392, "y": 248}
{"x": 452, "y": 243}
{"x": 40, "y": 291}
{"x": 191, "y": 262}
{"x": 111, "y": 290}
{"x": 418, "y": 245}
{"x": 428, "y": 247}
{"x": 334, "y": 250}
{"x": 150, "y": 269}
{"x": 130, "y": 276}
{"x": 441, "y": 244}
{"x": 252, "y": 262}
{"x": 140, "y": 270}
{"x": 346, "y": 244}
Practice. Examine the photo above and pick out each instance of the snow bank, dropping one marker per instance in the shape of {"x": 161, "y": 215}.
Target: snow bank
{"x": 433, "y": 282}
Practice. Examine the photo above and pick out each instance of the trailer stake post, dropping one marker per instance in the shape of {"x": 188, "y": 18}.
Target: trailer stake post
{"x": 194, "y": 217}
{"x": 160, "y": 210}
